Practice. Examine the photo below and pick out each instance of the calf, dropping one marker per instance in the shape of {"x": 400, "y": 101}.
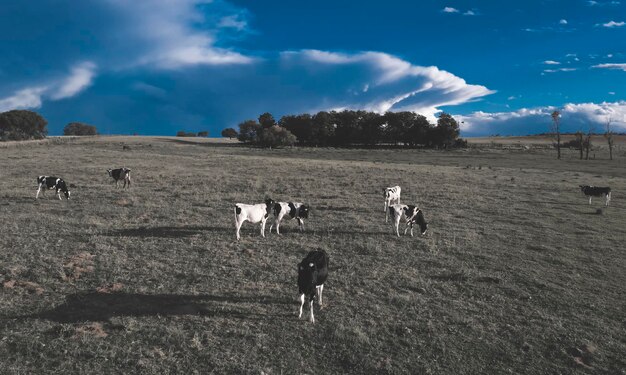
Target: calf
{"x": 596, "y": 191}
{"x": 412, "y": 214}
{"x": 312, "y": 273}
{"x": 120, "y": 174}
{"x": 292, "y": 210}
{"x": 49, "y": 183}
{"x": 253, "y": 213}
{"x": 392, "y": 194}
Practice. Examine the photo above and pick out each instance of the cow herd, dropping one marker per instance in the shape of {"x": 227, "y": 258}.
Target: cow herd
{"x": 313, "y": 269}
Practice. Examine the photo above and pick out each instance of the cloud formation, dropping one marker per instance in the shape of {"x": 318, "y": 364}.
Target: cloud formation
{"x": 613, "y": 24}
{"x": 525, "y": 121}
{"x": 621, "y": 66}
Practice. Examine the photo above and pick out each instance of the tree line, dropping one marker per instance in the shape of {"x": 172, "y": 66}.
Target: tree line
{"x": 348, "y": 127}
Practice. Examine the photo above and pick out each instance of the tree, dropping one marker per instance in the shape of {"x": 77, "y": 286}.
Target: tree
{"x": 229, "y": 133}
{"x": 277, "y": 136}
{"x": 371, "y": 125}
{"x": 182, "y": 133}
{"x": 556, "y": 130}
{"x": 608, "y": 134}
{"x": 299, "y": 125}
{"x": 446, "y": 132}
{"x": 249, "y": 131}
{"x": 587, "y": 142}
{"x": 204, "y": 133}
{"x": 579, "y": 142}
{"x": 17, "y": 125}
{"x": 78, "y": 128}
{"x": 324, "y": 126}
{"x": 267, "y": 120}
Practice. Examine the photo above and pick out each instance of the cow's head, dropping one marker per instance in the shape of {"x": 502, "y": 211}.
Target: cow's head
{"x": 269, "y": 204}
{"x": 419, "y": 220}
{"x": 109, "y": 171}
{"x": 307, "y": 274}
{"x": 303, "y": 211}
{"x": 63, "y": 187}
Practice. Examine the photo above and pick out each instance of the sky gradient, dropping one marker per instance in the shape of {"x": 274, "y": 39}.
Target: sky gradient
{"x": 159, "y": 66}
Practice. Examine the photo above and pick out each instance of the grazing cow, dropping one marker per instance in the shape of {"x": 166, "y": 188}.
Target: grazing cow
{"x": 596, "y": 191}
{"x": 253, "y": 213}
{"x": 312, "y": 273}
{"x": 392, "y": 194}
{"x": 120, "y": 174}
{"x": 49, "y": 183}
{"x": 292, "y": 210}
{"x": 412, "y": 214}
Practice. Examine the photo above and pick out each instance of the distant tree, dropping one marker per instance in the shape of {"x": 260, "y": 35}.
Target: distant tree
{"x": 348, "y": 129}
{"x": 398, "y": 125}
{"x": 182, "y": 133}
{"x": 371, "y": 124}
{"x": 299, "y": 125}
{"x": 579, "y": 140}
{"x": 249, "y": 131}
{"x": 79, "y": 128}
{"x": 556, "y": 130}
{"x": 267, "y": 120}
{"x": 204, "y": 133}
{"x": 277, "y": 136}
{"x": 229, "y": 133}
{"x": 17, "y": 125}
{"x": 587, "y": 142}
{"x": 446, "y": 131}
{"x": 608, "y": 134}
{"x": 324, "y": 127}
{"x": 417, "y": 133}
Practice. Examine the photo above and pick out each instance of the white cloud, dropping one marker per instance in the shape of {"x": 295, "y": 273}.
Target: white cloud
{"x": 470, "y": 13}
{"x": 613, "y": 24}
{"x": 79, "y": 79}
{"x": 537, "y": 120}
{"x": 450, "y": 10}
{"x": 551, "y": 62}
{"x": 234, "y": 22}
{"x": 621, "y": 66}
{"x": 392, "y": 83}
{"x": 611, "y": 92}
{"x": 603, "y": 3}
{"x": 559, "y": 70}
{"x": 563, "y": 22}
{"x": 25, "y": 98}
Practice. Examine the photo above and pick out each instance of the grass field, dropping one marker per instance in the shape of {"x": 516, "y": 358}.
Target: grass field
{"x": 517, "y": 273}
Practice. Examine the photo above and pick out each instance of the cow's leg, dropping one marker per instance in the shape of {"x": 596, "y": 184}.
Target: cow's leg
{"x": 59, "y": 194}
{"x": 238, "y": 224}
{"x": 263, "y": 227}
{"x": 311, "y": 318}
{"x": 301, "y": 224}
{"x": 320, "y": 289}
{"x": 386, "y": 211}
{"x": 397, "y": 224}
{"x": 301, "y": 304}
{"x": 608, "y": 199}
{"x": 38, "y": 190}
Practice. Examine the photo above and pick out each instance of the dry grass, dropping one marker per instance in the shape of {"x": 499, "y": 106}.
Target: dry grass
{"x": 517, "y": 274}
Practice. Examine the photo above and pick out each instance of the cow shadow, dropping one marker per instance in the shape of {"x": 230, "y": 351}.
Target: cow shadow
{"x": 167, "y": 231}
{"x": 102, "y": 307}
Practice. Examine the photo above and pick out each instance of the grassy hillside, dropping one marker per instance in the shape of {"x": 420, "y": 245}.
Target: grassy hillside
{"x": 517, "y": 274}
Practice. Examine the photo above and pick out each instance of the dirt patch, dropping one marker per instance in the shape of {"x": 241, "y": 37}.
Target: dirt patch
{"x": 28, "y": 286}
{"x": 91, "y": 329}
{"x": 111, "y": 288}
{"x": 77, "y": 266}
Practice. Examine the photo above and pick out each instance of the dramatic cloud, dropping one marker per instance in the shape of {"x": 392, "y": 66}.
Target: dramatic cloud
{"x": 525, "y": 121}
{"x": 380, "y": 82}
{"x": 25, "y": 98}
{"x": 79, "y": 79}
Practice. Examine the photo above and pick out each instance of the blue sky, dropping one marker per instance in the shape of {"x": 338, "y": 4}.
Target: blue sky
{"x": 158, "y": 66}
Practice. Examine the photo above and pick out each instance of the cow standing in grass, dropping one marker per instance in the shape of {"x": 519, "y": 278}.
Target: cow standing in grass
{"x": 412, "y": 214}
{"x": 392, "y": 195}
{"x": 312, "y": 273}
{"x": 596, "y": 191}
{"x": 119, "y": 175}
{"x": 290, "y": 210}
{"x": 50, "y": 183}
{"x": 254, "y": 213}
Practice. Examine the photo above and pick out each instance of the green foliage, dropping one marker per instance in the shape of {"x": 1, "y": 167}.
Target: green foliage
{"x": 78, "y": 128}
{"x": 18, "y": 125}
{"x": 277, "y": 136}
{"x": 229, "y": 133}
{"x": 267, "y": 120}
{"x": 249, "y": 131}
{"x": 204, "y": 133}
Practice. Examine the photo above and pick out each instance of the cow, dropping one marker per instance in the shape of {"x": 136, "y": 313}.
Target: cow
{"x": 391, "y": 194}
{"x": 596, "y": 191}
{"x": 120, "y": 174}
{"x": 412, "y": 214}
{"x": 254, "y": 213}
{"x": 312, "y": 273}
{"x": 291, "y": 210}
{"x": 49, "y": 183}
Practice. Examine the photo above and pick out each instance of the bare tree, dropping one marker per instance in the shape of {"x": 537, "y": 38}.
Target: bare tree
{"x": 608, "y": 134}
{"x": 556, "y": 130}
{"x": 579, "y": 142}
{"x": 587, "y": 141}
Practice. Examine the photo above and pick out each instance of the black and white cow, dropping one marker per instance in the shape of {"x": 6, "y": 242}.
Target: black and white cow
{"x": 312, "y": 273}
{"x": 596, "y": 191}
{"x": 254, "y": 213}
{"x": 290, "y": 210}
{"x": 120, "y": 174}
{"x": 392, "y": 195}
{"x": 412, "y": 214}
{"x": 49, "y": 183}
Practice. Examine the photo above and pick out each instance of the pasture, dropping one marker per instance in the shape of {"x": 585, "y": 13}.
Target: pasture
{"x": 516, "y": 274}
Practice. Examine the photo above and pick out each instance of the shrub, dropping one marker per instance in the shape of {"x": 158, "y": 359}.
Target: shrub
{"x": 20, "y": 125}
{"x": 78, "y": 128}
{"x": 277, "y": 136}
{"x": 182, "y": 133}
{"x": 229, "y": 133}
{"x": 204, "y": 133}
